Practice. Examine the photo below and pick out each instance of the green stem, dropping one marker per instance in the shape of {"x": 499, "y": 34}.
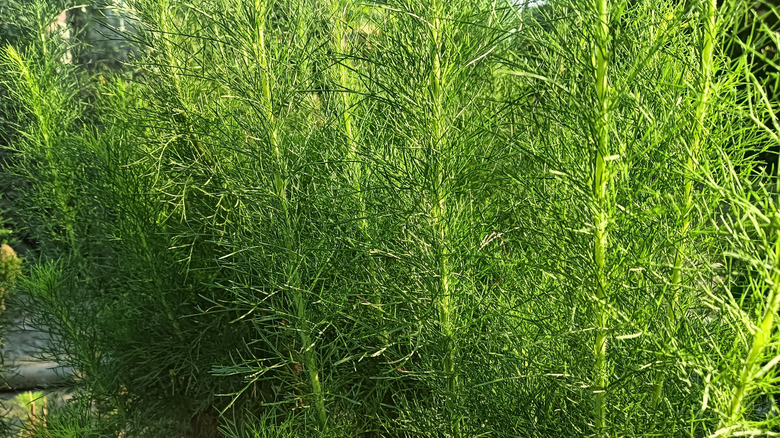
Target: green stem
{"x": 43, "y": 25}
{"x": 37, "y": 100}
{"x": 343, "y": 82}
{"x": 280, "y": 187}
{"x": 166, "y": 18}
{"x": 761, "y": 339}
{"x": 691, "y": 166}
{"x": 601, "y": 179}
{"x": 352, "y": 135}
{"x": 439, "y": 218}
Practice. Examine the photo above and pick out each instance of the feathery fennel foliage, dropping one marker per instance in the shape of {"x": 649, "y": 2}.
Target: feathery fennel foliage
{"x": 406, "y": 218}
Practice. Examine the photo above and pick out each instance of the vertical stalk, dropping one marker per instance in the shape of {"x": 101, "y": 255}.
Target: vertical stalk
{"x": 175, "y": 66}
{"x": 439, "y": 214}
{"x": 42, "y": 28}
{"x": 601, "y": 195}
{"x": 352, "y": 136}
{"x": 34, "y": 91}
{"x": 292, "y": 274}
{"x": 681, "y": 252}
{"x": 693, "y": 157}
{"x": 165, "y": 19}
{"x": 347, "y": 102}
{"x": 761, "y": 339}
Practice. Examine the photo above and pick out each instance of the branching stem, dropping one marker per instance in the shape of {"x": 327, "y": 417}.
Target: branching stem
{"x": 681, "y": 252}
{"x": 293, "y": 276}
{"x": 601, "y": 195}
{"x": 439, "y": 153}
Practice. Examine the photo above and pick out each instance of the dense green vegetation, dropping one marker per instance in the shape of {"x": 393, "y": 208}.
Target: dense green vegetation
{"x": 405, "y": 218}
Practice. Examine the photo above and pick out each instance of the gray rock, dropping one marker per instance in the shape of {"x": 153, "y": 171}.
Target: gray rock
{"x": 35, "y": 375}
